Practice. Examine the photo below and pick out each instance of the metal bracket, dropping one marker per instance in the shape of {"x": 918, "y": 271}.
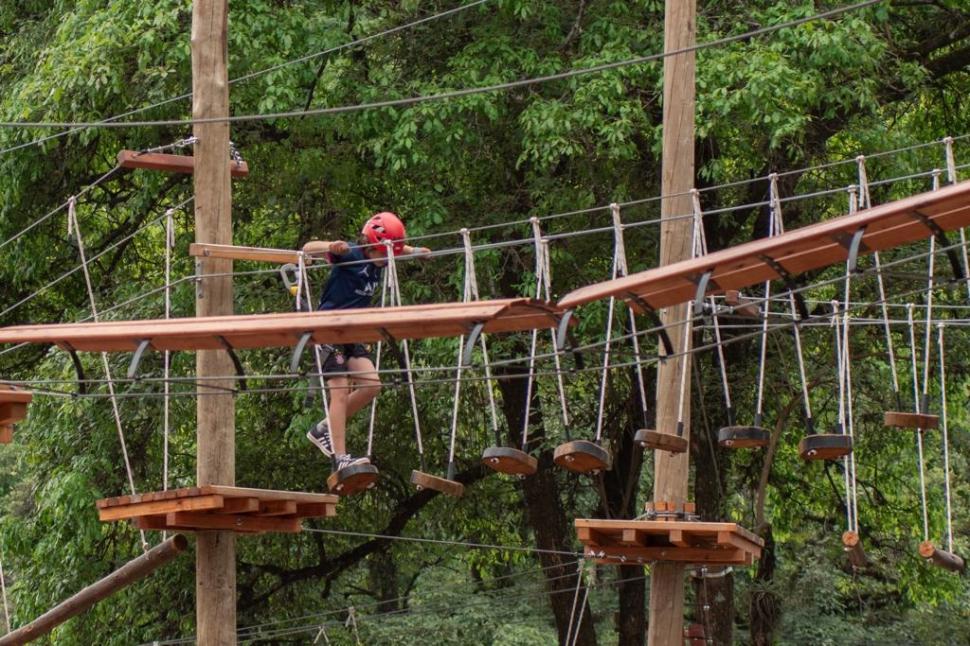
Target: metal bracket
{"x": 473, "y": 334}
{"x": 298, "y": 350}
{"x": 854, "y": 245}
{"x": 941, "y": 238}
{"x": 702, "y": 284}
{"x": 789, "y": 281}
{"x": 199, "y": 291}
{"x": 651, "y": 313}
{"x": 562, "y": 330}
{"x": 143, "y": 345}
{"x": 240, "y": 371}
{"x": 82, "y": 387}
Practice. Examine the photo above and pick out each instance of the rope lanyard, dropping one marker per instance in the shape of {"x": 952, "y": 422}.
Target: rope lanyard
{"x": 696, "y": 233}
{"x": 722, "y": 362}
{"x": 946, "y": 444}
{"x": 763, "y": 351}
{"x": 352, "y": 622}
{"x": 850, "y": 466}
{"x": 394, "y": 292}
{"x": 776, "y": 214}
{"x": 919, "y": 432}
{"x": 623, "y": 270}
{"x": 377, "y": 367}
{"x": 303, "y": 291}
{"x": 952, "y": 178}
{"x": 471, "y": 283}
{"x": 927, "y": 347}
{"x": 865, "y": 202}
{"x": 167, "y": 355}
{"x": 73, "y": 227}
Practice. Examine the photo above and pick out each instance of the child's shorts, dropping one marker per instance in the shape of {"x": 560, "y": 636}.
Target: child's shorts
{"x": 335, "y": 357}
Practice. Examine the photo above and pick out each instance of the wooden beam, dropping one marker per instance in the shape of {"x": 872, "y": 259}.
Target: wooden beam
{"x": 278, "y": 508}
{"x": 168, "y": 163}
{"x": 233, "y": 523}
{"x": 258, "y": 254}
{"x": 132, "y": 571}
{"x": 160, "y": 507}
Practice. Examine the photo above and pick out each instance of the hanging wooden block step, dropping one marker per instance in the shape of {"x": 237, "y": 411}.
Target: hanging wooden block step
{"x": 172, "y": 163}
{"x": 649, "y": 439}
{"x": 218, "y": 507}
{"x": 13, "y": 409}
{"x": 641, "y": 541}
{"x": 941, "y": 558}
{"x": 581, "y": 456}
{"x": 853, "y": 549}
{"x": 695, "y": 635}
{"x": 910, "y": 420}
{"x": 743, "y": 437}
{"x": 510, "y": 461}
{"x": 448, "y": 487}
{"x": 829, "y": 446}
{"x": 353, "y": 479}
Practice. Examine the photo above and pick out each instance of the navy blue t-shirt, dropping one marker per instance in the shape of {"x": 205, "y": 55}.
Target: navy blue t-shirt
{"x": 350, "y": 285}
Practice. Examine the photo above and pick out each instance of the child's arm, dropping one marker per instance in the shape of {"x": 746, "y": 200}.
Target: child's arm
{"x": 423, "y": 252}
{"x": 319, "y": 248}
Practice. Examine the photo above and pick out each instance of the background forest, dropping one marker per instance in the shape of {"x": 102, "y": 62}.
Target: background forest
{"x": 887, "y": 78}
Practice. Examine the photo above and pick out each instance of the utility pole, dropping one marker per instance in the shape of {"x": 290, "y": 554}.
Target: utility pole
{"x": 666, "y": 623}
{"x": 215, "y": 566}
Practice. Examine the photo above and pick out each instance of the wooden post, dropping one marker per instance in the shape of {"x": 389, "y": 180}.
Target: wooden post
{"x": 215, "y": 568}
{"x": 127, "y": 574}
{"x": 666, "y": 623}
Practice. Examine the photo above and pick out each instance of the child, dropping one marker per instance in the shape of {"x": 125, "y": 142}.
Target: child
{"x": 354, "y": 278}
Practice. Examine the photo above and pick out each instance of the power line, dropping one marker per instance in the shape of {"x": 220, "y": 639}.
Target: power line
{"x": 452, "y": 94}
{"x": 252, "y": 75}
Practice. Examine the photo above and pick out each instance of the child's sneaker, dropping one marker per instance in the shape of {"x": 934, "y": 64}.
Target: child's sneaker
{"x": 347, "y": 460}
{"x": 319, "y": 434}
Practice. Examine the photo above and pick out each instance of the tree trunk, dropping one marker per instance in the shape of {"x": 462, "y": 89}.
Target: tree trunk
{"x": 544, "y": 513}
{"x": 765, "y": 606}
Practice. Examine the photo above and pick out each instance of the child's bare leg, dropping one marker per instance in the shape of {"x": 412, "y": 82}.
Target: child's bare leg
{"x": 338, "y": 389}
{"x": 366, "y": 381}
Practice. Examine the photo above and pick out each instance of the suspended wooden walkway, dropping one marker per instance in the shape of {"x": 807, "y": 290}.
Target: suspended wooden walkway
{"x": 789, "y": 254}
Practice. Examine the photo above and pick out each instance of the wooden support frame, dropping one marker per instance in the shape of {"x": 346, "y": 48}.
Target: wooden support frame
{"x": 642, "y": 541}
{"x": 169, "y": 163}
{"x": 256, "y": 254}
{"x": 216, "y": 507}
{"x": 789, "y": 254}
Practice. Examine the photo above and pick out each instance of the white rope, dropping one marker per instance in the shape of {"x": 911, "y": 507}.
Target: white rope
{"x": 74, "y": 227}
{"x": 763, "y": 351}
{"x": 953, "y": 178}
{"x": 696, "y": 232}
{"x": 775, "y": 199}
{"x": 865, "y": 202}
{"x": 539, "y": 267}
{"x": 850, "y": 427}
{"x": 946, "y": 445}
{"x": 546, "y": 267}
{"x": 919, "y": 432}
{"x": 167, "y": 355}
{"x": 607, "y": 344}
{"x": 572, "y": 613}
{"x": 623, "y": 270}
{"x": 465, "y": 297}
{"x": 701, "y": 251}
{"x": 303, "y": 287}
{"x": 394, "y": 287}
{"x": 352, "y": 623}
{"x": 377, "y": 369}
{"x": 927, "y": 346}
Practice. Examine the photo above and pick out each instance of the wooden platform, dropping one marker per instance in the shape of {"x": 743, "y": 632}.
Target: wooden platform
{"x": 172, "y": 163}
{"x": 623, "y": 541}
{"x": 214, "y": 507}
{"x": 276, "y": 330}
{"x": 795, "y": 252}
{"x": 13, "y": 408}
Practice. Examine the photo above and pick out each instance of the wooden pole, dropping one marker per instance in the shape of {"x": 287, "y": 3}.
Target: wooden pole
{"x": 215, "y": 568}
{"x": 666, "y": 623}
{"x": 127, "y": 574}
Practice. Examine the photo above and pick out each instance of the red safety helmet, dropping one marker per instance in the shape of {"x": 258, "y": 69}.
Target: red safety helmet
{"x": 385, "y": 226}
